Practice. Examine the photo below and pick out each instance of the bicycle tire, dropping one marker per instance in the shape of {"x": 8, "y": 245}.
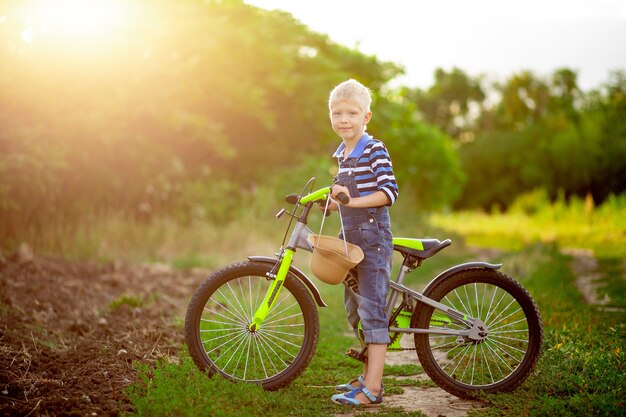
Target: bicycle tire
{"x": 499, "y": 363}
{"x": 217, "y": 334}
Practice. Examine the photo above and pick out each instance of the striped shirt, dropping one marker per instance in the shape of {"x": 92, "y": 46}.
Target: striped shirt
{"x": 373, "y": 171}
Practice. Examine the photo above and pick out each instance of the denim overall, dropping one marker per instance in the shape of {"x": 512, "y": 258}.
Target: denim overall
{"x": 368, "y": 228}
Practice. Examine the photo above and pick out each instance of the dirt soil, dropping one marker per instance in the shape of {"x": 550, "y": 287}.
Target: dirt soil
{"x": 70, "y": 332}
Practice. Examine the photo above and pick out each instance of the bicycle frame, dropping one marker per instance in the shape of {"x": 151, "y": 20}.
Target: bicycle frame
{"x": 475, "y": 329}
{"x": 298, "y": 240}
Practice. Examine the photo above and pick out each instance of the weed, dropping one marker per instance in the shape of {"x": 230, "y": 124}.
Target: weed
{"x": 129, "y": 300}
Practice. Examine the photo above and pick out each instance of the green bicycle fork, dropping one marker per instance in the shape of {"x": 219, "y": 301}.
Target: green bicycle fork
{"x": 272, "y": 293}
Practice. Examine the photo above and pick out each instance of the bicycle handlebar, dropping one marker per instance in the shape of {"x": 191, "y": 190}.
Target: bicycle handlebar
{"x": 322, "y": 194}
{"x": 343, "y": 198}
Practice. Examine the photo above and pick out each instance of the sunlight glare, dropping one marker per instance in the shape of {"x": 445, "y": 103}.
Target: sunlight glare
{"x": 73, "y": 20}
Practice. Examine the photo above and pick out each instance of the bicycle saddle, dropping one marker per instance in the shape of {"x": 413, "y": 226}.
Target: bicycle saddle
{"x": 419, "y": 248}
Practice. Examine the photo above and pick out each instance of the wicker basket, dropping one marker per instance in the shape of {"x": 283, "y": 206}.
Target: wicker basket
{"x": 332, "y": 258}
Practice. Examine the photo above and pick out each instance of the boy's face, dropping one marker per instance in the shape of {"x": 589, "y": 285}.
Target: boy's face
{"x": 348, "y": 119}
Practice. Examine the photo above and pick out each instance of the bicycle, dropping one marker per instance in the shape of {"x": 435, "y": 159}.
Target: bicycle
{"x": 474, "y": 328}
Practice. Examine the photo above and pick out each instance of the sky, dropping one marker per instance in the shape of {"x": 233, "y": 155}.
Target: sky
{"x": 492, "y": 37}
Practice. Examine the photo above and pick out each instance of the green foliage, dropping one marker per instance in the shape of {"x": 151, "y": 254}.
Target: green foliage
{"x": 213, "y": 101}
{"x": 530, "y": 132}
{"x": 573, "y": 223}
{"x": 446, "y": 104}
{"x": 425, "y": 163}
{"x": 578, "y": 145}
{"x": 208, "y": 98}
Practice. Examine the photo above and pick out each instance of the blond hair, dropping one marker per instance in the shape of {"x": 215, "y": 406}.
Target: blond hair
{"x": 352, "y": 90}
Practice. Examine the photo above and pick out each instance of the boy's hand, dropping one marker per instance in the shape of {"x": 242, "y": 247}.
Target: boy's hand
{"x": 338, "y": 189}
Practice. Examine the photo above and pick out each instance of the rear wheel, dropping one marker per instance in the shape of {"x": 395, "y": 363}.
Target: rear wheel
{"x": 217, "y": 327}
{"x": 498, "y": 363}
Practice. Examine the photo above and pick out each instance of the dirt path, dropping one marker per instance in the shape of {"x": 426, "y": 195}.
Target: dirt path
{"x": 431, "y": 401}
{"x": 585, "y": 267}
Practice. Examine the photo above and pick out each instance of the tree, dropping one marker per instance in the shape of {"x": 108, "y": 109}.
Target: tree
{"x": 448, "y": 103}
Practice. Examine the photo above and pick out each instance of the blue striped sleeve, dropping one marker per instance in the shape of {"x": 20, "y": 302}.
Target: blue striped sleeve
{"x": 380, "y": 163}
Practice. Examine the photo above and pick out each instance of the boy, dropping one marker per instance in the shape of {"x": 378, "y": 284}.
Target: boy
{"x": 366, "y": 176}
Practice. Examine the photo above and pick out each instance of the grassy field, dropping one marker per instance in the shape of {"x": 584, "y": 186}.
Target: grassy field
{"x": 582, "y": 365}
{"x": 576, "y": 223}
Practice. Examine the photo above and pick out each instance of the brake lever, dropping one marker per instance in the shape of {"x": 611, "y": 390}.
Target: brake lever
{"x": 323, "y": 204}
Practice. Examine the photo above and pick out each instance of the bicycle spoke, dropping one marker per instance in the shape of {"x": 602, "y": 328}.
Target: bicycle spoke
{"x": 283, "y": 325}
{"x": 267, "y": 354}
{"x": 493, "y": 296}
{"x": 495, "y": 362}
{"x": 220, "y": 330}
{"x": 483, "y": 362}
{"x": 298, "y": 314}
{"x": 465, "y": 309}
{"x": 510, "y": 338}
{"x": 230, "y": 320}
{"x": 467, "y": 297}
{"x": 508, "y": 325}
{"x": 271, "y": 342}
{"x": 241, "y": 345}
{"x": 480, "y": 313}
{"x": 277, "y": 313}
{"x": 437, "y": 347}
{"x": 486, "y": 361}
{"x": 260, "y": 357}
{"x": 458, "y": 363}
{"x": 500, "y": 344}
{"x": 241, "y": 337}
{"x": 234, "y": 309}
{"x": 213, "y": 339}
{"x": 502, "y": 312}
{"x": 242, "y": 308}
{"x": 495, "y": 308}
{"x": 246, "y": 355}
{"x": 451, "y": 304}
{"x": 272, "y": 336}
{"x": 284, "y": 333}
{"x": 270, "y": 345}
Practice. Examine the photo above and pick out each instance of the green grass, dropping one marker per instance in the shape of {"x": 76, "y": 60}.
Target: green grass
{"x": 573, "y": 224}
{"x": 182, "y": 390}
{"x": 580, "y": 372}
{"x": 129, "y": 300}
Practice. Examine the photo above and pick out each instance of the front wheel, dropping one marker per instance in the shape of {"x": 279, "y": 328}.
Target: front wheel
{"x": 218, "y": 335}
{"x": 498, "y": 363}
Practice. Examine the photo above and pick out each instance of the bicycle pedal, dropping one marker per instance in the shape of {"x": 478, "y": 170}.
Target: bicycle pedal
{"x": 356, "y": 355}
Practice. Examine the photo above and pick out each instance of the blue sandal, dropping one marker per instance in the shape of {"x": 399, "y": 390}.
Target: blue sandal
{"x": 349, "y": 387}
{"x": 349, "y": 398}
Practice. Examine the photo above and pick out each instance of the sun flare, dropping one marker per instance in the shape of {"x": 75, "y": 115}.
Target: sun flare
{"x": 74, "y": 21}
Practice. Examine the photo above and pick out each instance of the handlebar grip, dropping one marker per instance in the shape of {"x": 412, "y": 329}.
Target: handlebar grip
{"x": 343, "y": 198}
